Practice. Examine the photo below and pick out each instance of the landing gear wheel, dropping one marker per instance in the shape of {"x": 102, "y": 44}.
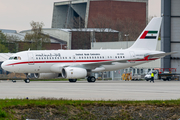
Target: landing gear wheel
{"x": 72, "y": 80}
{"x": 91, "y": 79}
{"x": 13, "y": 81}
{"x": 27, "y": 81}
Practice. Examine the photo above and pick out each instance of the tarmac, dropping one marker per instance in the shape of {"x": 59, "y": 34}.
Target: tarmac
{"x": 100, "y": 90}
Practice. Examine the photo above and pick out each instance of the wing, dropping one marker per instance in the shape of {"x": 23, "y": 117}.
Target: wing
{"x": 94, "y": 65}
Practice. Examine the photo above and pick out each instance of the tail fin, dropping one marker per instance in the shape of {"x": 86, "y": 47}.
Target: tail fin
{"x": 148, "y": 38}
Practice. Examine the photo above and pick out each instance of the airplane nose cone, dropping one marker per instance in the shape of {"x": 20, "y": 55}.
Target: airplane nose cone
{"x": 3, "y": 66}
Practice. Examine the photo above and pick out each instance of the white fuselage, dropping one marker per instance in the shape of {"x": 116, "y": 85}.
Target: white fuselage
{"x": 51, "y": 61}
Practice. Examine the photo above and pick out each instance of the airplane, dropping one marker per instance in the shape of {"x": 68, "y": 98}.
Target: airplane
{"x": 76, "y": 64}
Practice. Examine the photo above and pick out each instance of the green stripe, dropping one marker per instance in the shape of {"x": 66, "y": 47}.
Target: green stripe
{"x": 152, "y": 31}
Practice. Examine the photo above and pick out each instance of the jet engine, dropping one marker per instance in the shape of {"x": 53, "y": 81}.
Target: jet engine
{"x": 74, "y": 72}
{"x": 46, "y": 75}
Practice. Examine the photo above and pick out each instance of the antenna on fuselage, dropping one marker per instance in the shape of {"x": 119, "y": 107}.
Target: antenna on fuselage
{"x": 29, "y": 49}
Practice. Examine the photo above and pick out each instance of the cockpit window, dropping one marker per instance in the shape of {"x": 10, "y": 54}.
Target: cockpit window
{"x": 15, "y": 58}
{"x": 11, "y": 58}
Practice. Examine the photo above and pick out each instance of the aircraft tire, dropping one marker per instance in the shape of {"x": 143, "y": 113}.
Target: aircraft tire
{"x": 27, "y": 81}
{"x": 72, "y": 80}
{"x": 91, "y": 79}
{"x": 88, "y": 78}
{"x": 13, "y": 81}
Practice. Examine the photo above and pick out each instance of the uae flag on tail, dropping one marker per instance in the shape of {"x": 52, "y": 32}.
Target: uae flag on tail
{"x": 149, "y": 35}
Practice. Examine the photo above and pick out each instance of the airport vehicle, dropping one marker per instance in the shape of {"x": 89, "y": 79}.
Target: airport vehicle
{"x": 75, "y": 64}
{"x": 163, "y": 73}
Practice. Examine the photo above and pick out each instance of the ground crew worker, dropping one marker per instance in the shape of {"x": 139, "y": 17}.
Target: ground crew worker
{"x": 152, "y": 77}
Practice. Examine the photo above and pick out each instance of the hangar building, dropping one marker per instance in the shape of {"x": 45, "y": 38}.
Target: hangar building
{"x": 82, "y": 13}
{"x": 85, "y": 15}
{"x": 170, "y": 33}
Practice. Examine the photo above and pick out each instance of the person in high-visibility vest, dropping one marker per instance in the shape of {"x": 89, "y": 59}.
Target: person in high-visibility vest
{"x": 152, "y": 77}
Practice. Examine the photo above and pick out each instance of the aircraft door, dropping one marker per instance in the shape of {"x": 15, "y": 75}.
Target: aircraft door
{"x": 30, "y": 59}
{"x": 74, "y": 58}
{"x": 132, "y": 54}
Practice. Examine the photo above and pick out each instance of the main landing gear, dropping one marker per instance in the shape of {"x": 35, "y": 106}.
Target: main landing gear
{"x": 27, "y": 80}
{"x": 72, "y": 80}
{"x": 91, "y": 79}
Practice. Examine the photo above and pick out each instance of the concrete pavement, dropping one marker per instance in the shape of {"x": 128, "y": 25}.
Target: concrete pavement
{"x": 100, "y": 90}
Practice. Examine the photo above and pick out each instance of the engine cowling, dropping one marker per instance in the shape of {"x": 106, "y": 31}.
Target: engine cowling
{"x": 46, "y": 75}
{"x": 56, "y": 68}
{"x": 74, "y": 72}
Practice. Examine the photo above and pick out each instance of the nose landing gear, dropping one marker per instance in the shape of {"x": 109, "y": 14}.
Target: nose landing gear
{"x": 27, "y": 80}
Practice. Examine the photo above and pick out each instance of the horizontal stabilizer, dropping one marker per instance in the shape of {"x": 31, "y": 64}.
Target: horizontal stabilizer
{"x": 162, "y": 54}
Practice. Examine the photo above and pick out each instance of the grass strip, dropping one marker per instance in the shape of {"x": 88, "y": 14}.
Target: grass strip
{"x": 75, "y": 109}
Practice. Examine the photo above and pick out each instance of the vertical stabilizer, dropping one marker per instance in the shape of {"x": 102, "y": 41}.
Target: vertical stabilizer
{"x": 148, "y": 38}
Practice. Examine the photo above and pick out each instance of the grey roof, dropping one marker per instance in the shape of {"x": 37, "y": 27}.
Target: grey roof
{"x": 67, "y": 2}
{"x": 91, "y": 30}
{"x": 20, "y": 36}
{"x": 8, "y": 31}
{"x": 5, "y": 56}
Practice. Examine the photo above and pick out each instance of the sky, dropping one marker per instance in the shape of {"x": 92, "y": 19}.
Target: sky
{"x": 17, "y": 14}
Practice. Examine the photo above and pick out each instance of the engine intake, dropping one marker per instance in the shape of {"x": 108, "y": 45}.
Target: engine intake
{"x": 74, "y": 72}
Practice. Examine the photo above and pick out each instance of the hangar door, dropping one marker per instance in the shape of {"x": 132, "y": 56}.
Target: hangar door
{"x": 175, "y": 33}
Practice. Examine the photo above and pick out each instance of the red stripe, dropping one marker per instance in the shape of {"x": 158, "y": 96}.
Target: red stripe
{"x": 145, "y": 59}
{"x": 70, "y": 61}
{"x": 144, "y": 35}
